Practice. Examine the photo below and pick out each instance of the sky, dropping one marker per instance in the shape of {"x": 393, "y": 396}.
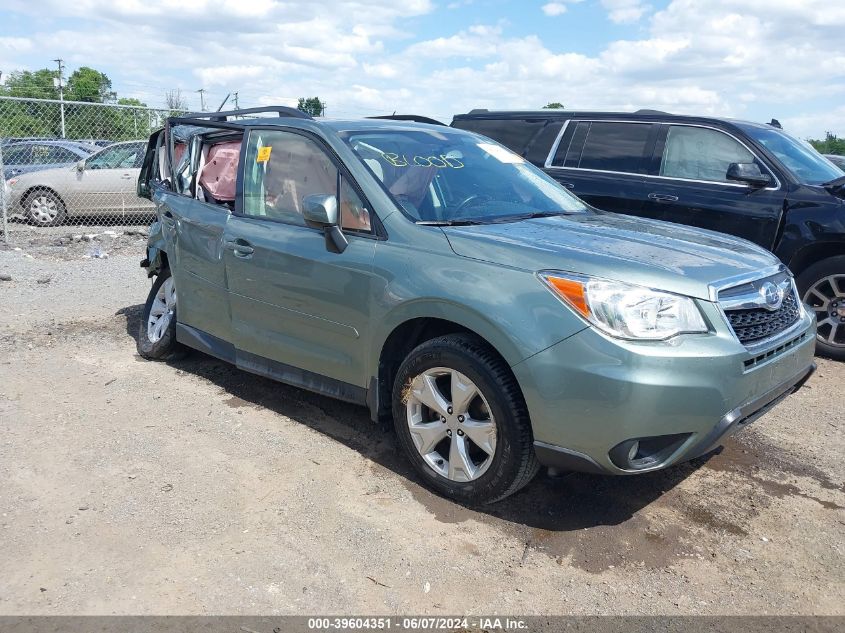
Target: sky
{"x": 749, "y": 59}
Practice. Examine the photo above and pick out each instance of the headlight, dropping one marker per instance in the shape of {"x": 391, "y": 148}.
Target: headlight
{"x": 625, "y": 310}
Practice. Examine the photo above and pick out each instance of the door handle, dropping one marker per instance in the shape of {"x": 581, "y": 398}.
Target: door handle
{"x": 662, "y": 197}
{"x": 240, "y": 247}
{"x": 126, "y": 176}
{"x": 568, "y": 185}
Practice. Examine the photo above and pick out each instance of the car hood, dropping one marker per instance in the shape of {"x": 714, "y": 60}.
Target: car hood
{"x": 651, "y": 253}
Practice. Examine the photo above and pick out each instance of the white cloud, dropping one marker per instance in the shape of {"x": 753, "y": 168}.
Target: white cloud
{"x": 16, "y": 44}
{"x": 766, "y": 58}
{"x": 815, "y": 124}
{"x": 622, "y": 11}
{"x": 554, "y": 8}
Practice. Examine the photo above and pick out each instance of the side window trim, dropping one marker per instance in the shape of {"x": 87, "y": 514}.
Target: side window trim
{"x": 574, "y": 126}
{"x": 376, "y": 227}
{"x": 663, "y": 127}
{"x": 579, "y": 141}
{"x": 556, "y": 145}
{"x": 661, "y": 145}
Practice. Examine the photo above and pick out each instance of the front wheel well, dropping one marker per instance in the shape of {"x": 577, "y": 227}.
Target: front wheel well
{"x": 813, "y": 254}
{"x": 404, "y": 338}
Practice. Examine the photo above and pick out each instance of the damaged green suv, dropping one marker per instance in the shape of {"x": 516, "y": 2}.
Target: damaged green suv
{"x": 440, "y": 280}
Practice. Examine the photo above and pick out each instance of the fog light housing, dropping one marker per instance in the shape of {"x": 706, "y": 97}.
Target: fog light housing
{"x": 646, "y": 452}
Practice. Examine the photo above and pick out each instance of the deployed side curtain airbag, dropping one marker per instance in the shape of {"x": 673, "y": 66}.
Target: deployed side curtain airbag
{"x": 220, "y": 173}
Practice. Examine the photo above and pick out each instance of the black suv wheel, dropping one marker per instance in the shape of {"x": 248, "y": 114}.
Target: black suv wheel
{"x": 822, "y": 288}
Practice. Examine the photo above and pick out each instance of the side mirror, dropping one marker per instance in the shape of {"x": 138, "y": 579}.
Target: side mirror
{"x": 320, "y": 212}
{"x": 749, "y": 173}
{"x": 80, "y": 165}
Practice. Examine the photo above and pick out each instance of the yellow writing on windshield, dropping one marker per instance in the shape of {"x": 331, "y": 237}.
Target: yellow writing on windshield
{"x": 443, "y": 161}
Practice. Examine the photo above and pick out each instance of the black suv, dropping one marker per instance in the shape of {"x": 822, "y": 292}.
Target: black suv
{"x": 748, "y": 179}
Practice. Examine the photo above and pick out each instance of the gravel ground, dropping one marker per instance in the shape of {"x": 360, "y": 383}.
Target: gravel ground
{"x": 132, "y": 487}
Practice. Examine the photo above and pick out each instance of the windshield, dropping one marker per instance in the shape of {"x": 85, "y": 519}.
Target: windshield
{"x": 448, "y": 177}
{"x": 810, "y": 167}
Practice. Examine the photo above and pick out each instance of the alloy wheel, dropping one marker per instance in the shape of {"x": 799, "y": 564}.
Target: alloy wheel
{"x": 451, "y": 424}
{"x": 827, "y": 299}
{"x": 162, "y": 311}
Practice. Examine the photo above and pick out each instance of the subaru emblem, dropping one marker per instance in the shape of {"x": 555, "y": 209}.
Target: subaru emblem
{"x": 772, "y": 295}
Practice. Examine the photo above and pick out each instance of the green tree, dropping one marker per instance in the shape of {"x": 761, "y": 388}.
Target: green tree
{"x": 87, "y": 84}
{"x": 830, "y": 145}
{"x": 22, "y": 118}
{"x": 311, "y": 105}
{"x": 554, "y": 105}
{"x": 27, "y": 84}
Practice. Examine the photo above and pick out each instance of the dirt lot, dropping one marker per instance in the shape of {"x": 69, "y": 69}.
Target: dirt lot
{"x": 194, "y": 488}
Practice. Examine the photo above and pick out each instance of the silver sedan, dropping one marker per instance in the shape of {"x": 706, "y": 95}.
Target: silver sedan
{"x": 102, "y": 184}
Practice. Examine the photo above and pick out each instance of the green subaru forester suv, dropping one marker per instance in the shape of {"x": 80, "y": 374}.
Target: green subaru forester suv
{"x": 438, "y": 279}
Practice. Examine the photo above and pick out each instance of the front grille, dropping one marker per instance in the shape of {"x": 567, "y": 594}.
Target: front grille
{"x": 755, "y": 324}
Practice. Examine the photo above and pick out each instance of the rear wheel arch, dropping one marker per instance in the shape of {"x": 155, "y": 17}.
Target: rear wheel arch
{"x": 157, "y": 261}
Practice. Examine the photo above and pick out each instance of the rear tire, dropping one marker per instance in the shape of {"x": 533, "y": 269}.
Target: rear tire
{"x": 484, "y": 450}
{"x": 45, "y": 208}
{"x": 822, "y": 288}
{"x": 157, "y": 331}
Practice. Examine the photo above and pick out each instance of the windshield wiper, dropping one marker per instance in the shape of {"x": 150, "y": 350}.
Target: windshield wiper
{"x": 836, "y": 183}
{"x": 448, "y": 222}
{"x": 532, "y": 216}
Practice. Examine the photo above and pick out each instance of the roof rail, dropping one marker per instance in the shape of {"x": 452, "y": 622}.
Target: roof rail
{"x": 282, "y": 111}
{"x": 647, "y": 111}
{"x": 478, "y": 110}
{"x": 408, "y": 117}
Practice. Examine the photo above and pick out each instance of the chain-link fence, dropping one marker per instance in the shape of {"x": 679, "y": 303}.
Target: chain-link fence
{"x": 68, "y": 164}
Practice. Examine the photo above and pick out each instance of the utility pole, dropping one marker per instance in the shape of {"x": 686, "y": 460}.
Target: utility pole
{"x": 202, "y": 99}
{"x": 61, "y": 93}
{"x": 236, "y": 101}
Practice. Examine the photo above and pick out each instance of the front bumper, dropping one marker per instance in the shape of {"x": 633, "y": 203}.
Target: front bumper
{"x": 588, "y": 395}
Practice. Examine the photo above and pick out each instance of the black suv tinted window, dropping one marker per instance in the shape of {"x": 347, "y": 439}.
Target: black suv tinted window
{"x": 512, "y": 133}
{"x": 606, "y": 146}
{"x": 699, "y": 153}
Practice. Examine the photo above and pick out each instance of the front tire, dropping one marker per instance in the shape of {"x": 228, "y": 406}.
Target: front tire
{"x": 822, "y": 288}
{"x": 462, "y": 421}
{"x": 157, "y": 331}
{"x": 45, "y": 208}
